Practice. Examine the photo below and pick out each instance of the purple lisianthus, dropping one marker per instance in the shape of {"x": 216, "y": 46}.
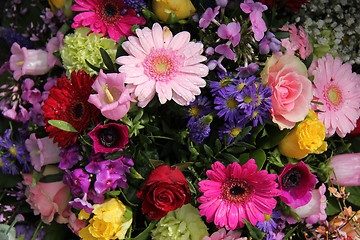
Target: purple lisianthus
{"x": 110, "y": 137}
{"x": 200, "y": 129}
{"x": 69, "y": 157}
{"x": 296, "y": 183}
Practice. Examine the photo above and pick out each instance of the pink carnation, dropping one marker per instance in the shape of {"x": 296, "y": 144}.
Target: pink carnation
{"x": 222, "y": 235}
{"x": 298, "y": 41}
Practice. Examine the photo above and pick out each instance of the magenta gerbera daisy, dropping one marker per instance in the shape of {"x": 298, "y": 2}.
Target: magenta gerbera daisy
{"x": 237, "y": 192}
{"x": 106, "y": 16}
{"x": 161, "y": 63}
{"x": 338, "y": 89}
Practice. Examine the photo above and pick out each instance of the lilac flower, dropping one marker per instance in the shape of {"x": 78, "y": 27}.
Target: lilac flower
{"x": 13, "y": 151}
{"x": 269, "y": 42}
{"x": 78, "y": 181}
{"x": 96, "y": 198}
{"x": 227, "y": 105}
{"x": 37, "y": 114}
{"x": 208, "y": 16}
{"x": 232, "y": 130}
{"x": 198, "y": 108}
{"x": 255, "y": 9}
{"x": 225, "y": 50}
{"x": 69, "y": 157}
{"x": 244, "y": 72}
{"x": 200, "y": 129}
{"x": 231, "y": 32}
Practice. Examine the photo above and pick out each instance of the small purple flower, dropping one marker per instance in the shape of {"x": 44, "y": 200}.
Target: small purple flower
{"x": 232, "y": 130}
{"x": 54, "y": 44}
{"x": 78, "y": 181}
{"x": 81, "y": 204}
{"x": 208, "y": 16}
{"x": 227, "y": 105}
{"x": 198, "y": 108}
{"x": 225, "y": 80}
{"x": 258, "y": 24}
{"x": 136, "y": 5}
{"x": 69, "y": 157}
{"x": 37, "y": 114}
{"x": 269, "y": 225}
{"x": 94, "y": 197}
{"x": 28, "y": 94}
{"x": 269, "y": 42}
{"x": 222, "y": 3}
{"x": 27, "y": 231}
{"x": 200, "y": 129}
{"x": 225, "y": 50}
{"x": 244, "y": 72}
{"x": 248, "y": 99}
{"x": 231, "y": 32}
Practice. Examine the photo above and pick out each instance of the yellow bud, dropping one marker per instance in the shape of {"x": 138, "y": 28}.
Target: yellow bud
{"x": 182, "y": 8}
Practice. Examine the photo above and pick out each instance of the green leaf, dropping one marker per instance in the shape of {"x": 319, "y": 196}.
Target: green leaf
{"x": 208, "y": 150}
{"x": 51, "y": 178}
{"x": 172, "y": 18}
{"x": 135, "y": 174}
{"x": 96, "y": 69}
{"x": 255, "y": 232}
{"x": 229, "y": 157}
{"x": 354, "y": 196}
{"x": 288, "y": 234}
{"x": 243, "y": 158}
{"x": 120, "y": 51}
{"x": 218, "y": 145}
{"x": 260, "y": 157}
{"x": 282, "y": 34}
{"x": 7, "y": 232}
{"x": 183, "y": 166}
{"x": 146, "y": 233}
{"x": 274, "y": 137}
{"x": 11, "y": 180}
{"x": 65, "y": 126}
{"x": 107, "y": 60}
{"x": 332, "y": 206}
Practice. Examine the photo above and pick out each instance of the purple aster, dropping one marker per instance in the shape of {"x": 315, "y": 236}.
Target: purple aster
{"x": 248, "y": 98}
{"x": 225, "y": 80}
{"x": 69, "y": 157}
{"x": 227, "y": 105}
{"x": 78, "y": 181}
{"x": 200, "y": 129}
{"x": 232, "y": 130}
{"x": 198, "y": 108}
{"x": 14, "y": 151}
{"x": 269, "y": 225}
{"x": 208, "y": 16}
{"x": 8, "y": 167}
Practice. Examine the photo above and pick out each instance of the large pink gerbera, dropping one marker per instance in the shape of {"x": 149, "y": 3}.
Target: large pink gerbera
{"x": 338, "y": 88}
{"x": 237, "y": 192}
{"x": 106, "y": 16}
{"x": 161, "y": 63}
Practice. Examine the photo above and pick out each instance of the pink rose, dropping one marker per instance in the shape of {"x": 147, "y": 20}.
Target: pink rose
{"x": 47, "y": 199}
{"x": 292, "y": 90}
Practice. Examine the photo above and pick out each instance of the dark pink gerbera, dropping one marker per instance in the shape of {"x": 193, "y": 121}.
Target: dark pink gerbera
{"x": 106, "y": 16}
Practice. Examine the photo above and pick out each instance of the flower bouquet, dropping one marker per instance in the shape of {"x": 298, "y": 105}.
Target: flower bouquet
{"x": 191, "y": 120}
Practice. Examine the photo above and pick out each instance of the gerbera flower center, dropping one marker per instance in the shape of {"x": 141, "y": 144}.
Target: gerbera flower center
{"x": 160, "y": 66}
{"x": 292, "y": 178}
{"x": 231, "y": 103}
{"x": 111, "y": 10}
{"x": 236, "y": 190}
{"x": 334, "y": 95}
{"x": 107, "y": 137}
{"x": 77, "y": 111}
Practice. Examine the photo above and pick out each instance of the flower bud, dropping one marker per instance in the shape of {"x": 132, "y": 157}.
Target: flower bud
{"x": 182, "y": 8}
{"x": 346, "y": 168}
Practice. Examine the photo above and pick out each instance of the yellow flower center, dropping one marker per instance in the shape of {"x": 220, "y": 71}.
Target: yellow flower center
{"x": 247, "y": 99}
{"x": 109, "y": 97}
{"x": 194, "y": 111}
{"x": 334, "y": 95}
{"x": 160, "y": 65}
{"x": 231, "y": 103}
{"x": 13, "y": 151}
{"x": 1, "y": 163}
{"x": 234, "y": 132}
{"x": 20, "y": 63}
{"x": 240, "y": 86}
{"x": 267, "y": 217}
{"x": 224, "y": 82}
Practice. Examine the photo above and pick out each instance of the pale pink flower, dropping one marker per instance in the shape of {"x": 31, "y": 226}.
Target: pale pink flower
{"x": 237, "y": 192}
{"x": 346, "y": 168}
{"x": 112, "y": 98}
{"x": 338, "y": 89}
{"x": 222, "y": 235}
{"x": 314, "y": 210}
{"x": 164, "y": 64}
{"x": 298, "y": 41}
{"x": 255, "y": 9}
{"x": 54, "y": 44}
{"x": 42, "y": 151}
{"x": 28, "y": 62}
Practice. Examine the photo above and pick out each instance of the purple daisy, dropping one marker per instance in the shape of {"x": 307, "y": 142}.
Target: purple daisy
{"x": 232, "y": 130}
{"x": 197, "y": 109}
{"x": 227, "y": 105}
{"x": 225, "y": 80}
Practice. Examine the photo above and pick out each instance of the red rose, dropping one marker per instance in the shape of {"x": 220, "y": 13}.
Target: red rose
{"x": 165, "y": 190}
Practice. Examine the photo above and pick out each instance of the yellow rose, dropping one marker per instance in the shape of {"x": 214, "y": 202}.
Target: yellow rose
{"x": 111, "y": 220}
{"x": 307, "y": 137}
{"x": 182, "y": 8}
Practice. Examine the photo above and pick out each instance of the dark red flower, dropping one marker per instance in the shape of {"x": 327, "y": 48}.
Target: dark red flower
{"x": 356, "y": 131}
{"x": 110, "y": 137}
{"x": 294, "y": 5}
{"x": 68, "y": 101}
{"x": 165, "y": 190}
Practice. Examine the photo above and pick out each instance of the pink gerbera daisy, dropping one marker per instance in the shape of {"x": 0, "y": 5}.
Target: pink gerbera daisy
{"x": 237, "y": 192}
{"x": 338, "y": 88}
{"x": 164, "y": 64}
{"x": 106, "y": 16}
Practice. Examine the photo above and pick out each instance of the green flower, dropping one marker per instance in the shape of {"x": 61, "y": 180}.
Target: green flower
{"x": 183, "y": 223}
{"x": 80, "y": 46}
